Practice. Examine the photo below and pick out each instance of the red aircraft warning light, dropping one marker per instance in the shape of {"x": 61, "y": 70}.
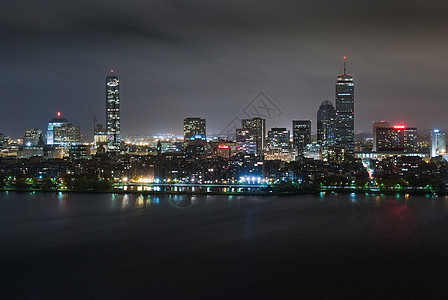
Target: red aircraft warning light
{"x": 59, "y": 114}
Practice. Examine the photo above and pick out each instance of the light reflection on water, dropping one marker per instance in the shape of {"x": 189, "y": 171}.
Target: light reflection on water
{"x": 368, "y": 242}
{"x": 141, "y": 201}
{"x": 248, "y": 226}
{"x": 62, "y": 199}
{"x": 125, "y": 201}
{"x": 353, "y": 197}
{"x": 133, "y": 201}
{"x": 180, "y": 201}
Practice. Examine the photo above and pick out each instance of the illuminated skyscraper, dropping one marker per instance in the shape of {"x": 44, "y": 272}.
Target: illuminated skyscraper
{"x": 113, "y": 112}
{"x": 396, "y": 138}
{"x": 61, "y": 132}
{"x": 326, "y": 118}
{"x": 345, "y": 111}
{"x": 438, "y": 143}
{"x": 194, "y": 129}
{"x": 301, "y": 134}
{"x": 278, "y": 146}
{"x": 195, "y": 138}
{"x": 257, "y": 128}
{"x": 381, "y": 124}
{"x": 33, "y": 137}
{"x": 246, "y": 141}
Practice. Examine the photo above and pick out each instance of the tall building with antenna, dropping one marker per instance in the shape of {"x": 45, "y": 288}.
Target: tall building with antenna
{"x": 113, "y": 112}
{"x": 62, "y": 133}
{"x": 345, "y": 111}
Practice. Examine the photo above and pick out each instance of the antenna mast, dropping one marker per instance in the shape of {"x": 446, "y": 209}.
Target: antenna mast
{"x": 345, "y": 58}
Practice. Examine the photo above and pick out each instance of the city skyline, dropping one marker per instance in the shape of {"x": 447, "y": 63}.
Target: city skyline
{"x": 112, "y": 121}
{"x": 202, "y": 59}
{"x": 279, "y": 149}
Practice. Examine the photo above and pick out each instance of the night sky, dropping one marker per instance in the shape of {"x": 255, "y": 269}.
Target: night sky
{"x": 209, "y": 59}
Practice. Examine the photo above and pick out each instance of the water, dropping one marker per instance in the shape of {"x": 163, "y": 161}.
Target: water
{"x": 130, "y": 246}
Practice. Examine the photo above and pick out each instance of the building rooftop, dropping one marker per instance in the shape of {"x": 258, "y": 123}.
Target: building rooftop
{"x": 59, "y": 120}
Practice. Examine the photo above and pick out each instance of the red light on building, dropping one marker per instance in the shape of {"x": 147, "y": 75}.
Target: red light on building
{"x": 223, "y": 147}
{"x": 59, "y": 114}
{"x": 399, "y": 127}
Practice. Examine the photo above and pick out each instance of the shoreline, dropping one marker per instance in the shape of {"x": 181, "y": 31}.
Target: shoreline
{"x": 260, "y": 193}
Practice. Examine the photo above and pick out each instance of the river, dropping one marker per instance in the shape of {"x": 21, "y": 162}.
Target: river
{"x": 346, "y": 246}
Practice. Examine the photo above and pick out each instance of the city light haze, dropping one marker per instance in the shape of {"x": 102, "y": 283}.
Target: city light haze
{"x": 209, "y": 59}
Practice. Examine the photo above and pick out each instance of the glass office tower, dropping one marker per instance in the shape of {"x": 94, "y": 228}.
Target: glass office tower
{"x": 113, "y": 112}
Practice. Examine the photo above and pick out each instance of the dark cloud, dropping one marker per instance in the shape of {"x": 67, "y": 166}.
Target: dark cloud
{"x": 205, "y": 58}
